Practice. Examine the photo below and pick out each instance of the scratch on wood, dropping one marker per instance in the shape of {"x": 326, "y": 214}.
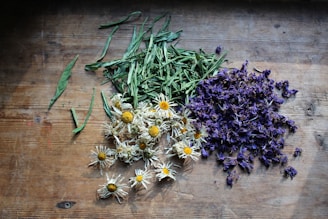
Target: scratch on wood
{"x": 322, "y": 140}
{"x": 310, "y": 109}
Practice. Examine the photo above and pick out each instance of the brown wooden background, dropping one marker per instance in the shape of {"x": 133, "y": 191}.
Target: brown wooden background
{"x": 42, "y": 163}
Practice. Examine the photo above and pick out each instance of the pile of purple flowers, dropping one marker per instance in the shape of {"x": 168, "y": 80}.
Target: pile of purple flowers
{"x": 241, "y": 113}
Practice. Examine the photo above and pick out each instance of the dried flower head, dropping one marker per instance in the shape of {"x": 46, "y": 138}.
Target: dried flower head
{"x": 151, "y": 156}
{"x": 141, "y": 178}
{"x": 164, "y": 107}
{"x": 102, "y": 158}
{"x": 119, "y": 102}
{"x": 164, "y": 170}
{"x": 126, "y": 152}
{"x": 153, "y": 132}
{"x": 113, "y": 187}
{"x": 184, "y": 150}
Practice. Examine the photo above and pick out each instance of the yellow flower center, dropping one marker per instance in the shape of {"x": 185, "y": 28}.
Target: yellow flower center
{"x": 187, "y": 150}
{"x": 148, "y": 154}
{"x": 164, "y": 105}
{"x": 197, "y": 135}
{"x": 183, "y": 130}
{"x": 142, "y": 145}
{"x": 127, "y": 117}
{"x": 184, "y": 120}
{"x": 117, "y": 105}
{"x": 139, "y": 178}
{"x": 166, "y": 171}
{"x": 111, "y": 187}
{"x": 153, "y": 131}
{"x": 119, "y": 150}
{"x": 152, "y": 110}
{"x": 102, "y": 156}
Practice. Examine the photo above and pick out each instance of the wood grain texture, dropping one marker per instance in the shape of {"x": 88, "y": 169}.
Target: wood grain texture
{"x": 42, "y": 163}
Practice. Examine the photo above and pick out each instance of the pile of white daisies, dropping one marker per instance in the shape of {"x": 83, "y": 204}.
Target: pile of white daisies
{"x": 136, "y": 134}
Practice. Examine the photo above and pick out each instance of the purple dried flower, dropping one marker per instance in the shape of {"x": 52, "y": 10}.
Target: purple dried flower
{"x": 220, "y": 157}
{"x": 229, "y": 181}
{"x": 297, "y": 152}
{"x": 229, "y": 163}
{"x": 279, "y": 85}
{"x": 288, "y": 93}
{"x": 204, "y": 153}
{"x": 290, "y": 172}
{"x": 267, "y": 162}
{"x": 240, "y": 111}
{"x": 251, "y": 158}
{"x": 284, "y": 87}
{"x": 246, "y": 166}
{"x": 232, "y": 177}
{"x": 218, "y": 50}
{"x": 291, "y": 125}
{"x": 284, "y": 160}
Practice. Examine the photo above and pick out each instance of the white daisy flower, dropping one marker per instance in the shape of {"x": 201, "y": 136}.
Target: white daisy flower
{"x": 182, "y": 131}
{"x": 164, "y": 106}
{"x": 183, "y": 127}
{"x": 113, "y": 187}
{"x": 141, "y": 178}
{"x": 143, "y": 143}
{"x": 146, "y": 110}
{"x": 183, "y": 150}
{"x": 186, "y": 117}
{"x": 126, "y": 152}
{"x": 154, "y": 132}
{"x": 102, "y": 158}
{"x": 125, "y": 120}
{"x": 118, "y": 102}
{"x": 150, "y": 156}
{"x": 199, "y": 136}
{"x": 164, "y": 170}
{"x": 110, "y": 129}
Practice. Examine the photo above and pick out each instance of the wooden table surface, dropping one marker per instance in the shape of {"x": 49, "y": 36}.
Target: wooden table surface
{"x": 42, "y": 163}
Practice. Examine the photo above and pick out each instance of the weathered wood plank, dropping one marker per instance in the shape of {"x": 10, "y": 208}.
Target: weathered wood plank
{"x": 42, "y": 163}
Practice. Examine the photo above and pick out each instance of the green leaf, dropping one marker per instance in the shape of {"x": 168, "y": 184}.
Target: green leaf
{"x": 106, "y": 106}
{"x": 107, "y": 44}
{"x": 63, "y": 81}
{"x": 135, "y": 14}
{"x": 76, "y": 121}
{"x": 135, "y": 41}
{"x": 158, "y": 67}
{"x": 131, "y": 71}
{"x": 167, "y": 36}
{"x": 79, "y": 129}
{"x": 156, "y": 19}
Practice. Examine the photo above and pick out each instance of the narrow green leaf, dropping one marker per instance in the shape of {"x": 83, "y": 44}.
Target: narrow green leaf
{"x": 135, "y": 41}
{"x": 93, "y": 66}
{"x": 106, "y": 105}
{"x": 80, "y": 128}
{"x": 107, "y": 44}
{"x": 135, "y": 14}
{"x": 63, "y": 81}
{"x": 97, "y": 65}
{"x": 131, "y": 72}
{"x": 156, "y": 19}
{"x": 76, "y": 121}
{"x": 167, "y": 36}
{"x": 165, "y": 26}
